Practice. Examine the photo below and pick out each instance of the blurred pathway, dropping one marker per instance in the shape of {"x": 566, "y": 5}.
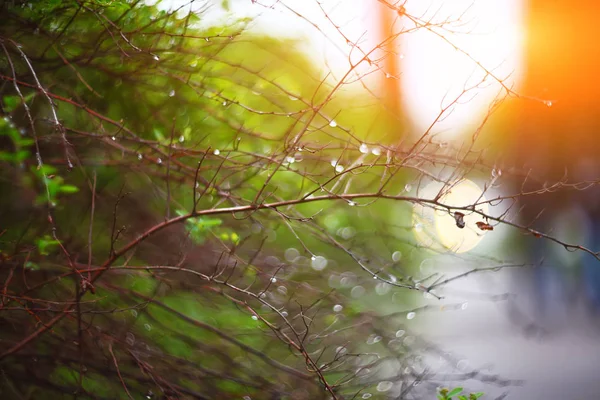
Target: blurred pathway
{"x": 557, "y": 357}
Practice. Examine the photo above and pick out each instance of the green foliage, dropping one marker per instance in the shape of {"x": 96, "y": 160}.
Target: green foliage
{"x": 46, "y": 244}
{"x": 447, "y": 394}
{"x": 199, "y": 227}
{"x": 20, "y": 144}
{"x": 158, "y": 114}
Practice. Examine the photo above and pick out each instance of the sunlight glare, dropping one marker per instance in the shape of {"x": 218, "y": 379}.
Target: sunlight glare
{"x": 437, "y": 229}
{"x": 435, "y": 72}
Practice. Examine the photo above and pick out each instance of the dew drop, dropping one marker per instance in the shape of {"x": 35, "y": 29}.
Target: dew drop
{"x": 376, "y": 151}
{"x": 282, "y": 290}
{"x": 351, "y": 203}
{"x": 172, "y": 93}
{"x": 159, "y": 161}
{"x": 273, "y": 280}
{"x": 156, "y": 58}
{"x": 130, "y": 339}
{"x": 373, "y": 339}
{"x": 139, "y": 156}
{"x": 384, "y": 386}
{"x": 363, "y": 148}
{"x": 410, "y": 315}
{"x": 382, "y": 288}
{"x": 217, "y": 152}
{"x": 181, "y": 139}
{"x": 113, "y": 138}
{"x": 332, "y": 123}
{"x": 427, "y": 266}
{"x": 400, "y": 333}
{"x": 407, "y": 187}
{"x": 338, "y": 308}
{"x": 396, "y": 256}
{"x": 291, "y": 254}
{"x": 318, "y": 263}
{"x": 418, "y": 227}
{"x": 548, "y": 103}
{"x": 284, "y": 313}
{"x": 357, "y": 291}
{"x": 367, "y": 395}
{"x": 254, "y": 317}
{"x": 464, "y": 305}
{"x": 409, "y": 340}
{"x": 339, "y": 168}
{"x": 148, "y": 327}
{"x": 348, "y": 232}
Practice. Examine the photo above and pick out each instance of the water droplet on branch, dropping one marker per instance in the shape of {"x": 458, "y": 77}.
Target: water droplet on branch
{"x": 384, "y": 386}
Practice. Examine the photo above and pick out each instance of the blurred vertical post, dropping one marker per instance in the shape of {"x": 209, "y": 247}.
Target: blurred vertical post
{"x": 563, "y": 67}
{"x": 557, "y": 138}
{"x": 389, "y": 26}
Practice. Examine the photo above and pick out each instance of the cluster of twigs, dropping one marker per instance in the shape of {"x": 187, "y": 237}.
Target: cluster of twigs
{"x": 191, "y": 219}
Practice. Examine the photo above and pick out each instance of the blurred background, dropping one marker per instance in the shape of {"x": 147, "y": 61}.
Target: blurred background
{"x": 317, "y": 107}
{"x": 539, "y": 324}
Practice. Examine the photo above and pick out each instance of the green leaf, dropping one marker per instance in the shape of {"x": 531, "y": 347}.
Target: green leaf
{"x": 68, "y": 189}
{"x": 11, "y": 102}
{"x": 32, "y": 266}
{"x": 46, "y": 244}
{"x": 158, "y": 134}
{"x": 455, "y": 391}
{"x": 21, "y": 156}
